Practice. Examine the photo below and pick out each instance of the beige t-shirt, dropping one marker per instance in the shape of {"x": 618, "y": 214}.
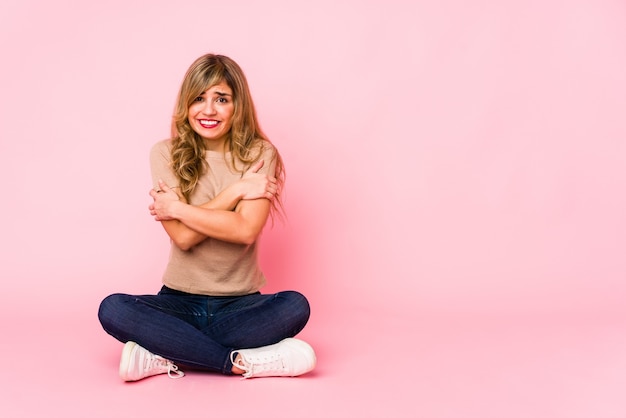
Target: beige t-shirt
{"x": 213, "y": 267}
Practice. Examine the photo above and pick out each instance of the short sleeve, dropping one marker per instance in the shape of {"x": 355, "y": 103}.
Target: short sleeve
{"x": 269, "y": 159}
{"x": 160, "y": 165}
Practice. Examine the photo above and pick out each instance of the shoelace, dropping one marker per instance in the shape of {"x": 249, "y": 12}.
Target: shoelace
{"x": 259, "y": 365}
{"x": 160, "y": 362}
{"x": 172, "y": 368}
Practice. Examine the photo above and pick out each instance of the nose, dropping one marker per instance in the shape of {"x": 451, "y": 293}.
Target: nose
{"x": 208, "y": 108}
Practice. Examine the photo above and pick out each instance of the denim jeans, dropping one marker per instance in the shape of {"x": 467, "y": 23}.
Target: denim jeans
{"x": 199, "y": 331}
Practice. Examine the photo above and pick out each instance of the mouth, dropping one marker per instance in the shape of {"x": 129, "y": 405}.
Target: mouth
{"x": 206, "y": 123}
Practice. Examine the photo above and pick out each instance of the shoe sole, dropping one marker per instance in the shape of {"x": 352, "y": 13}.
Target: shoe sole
{"x": 306, "y": 349}
{"x": 126, "y": 359}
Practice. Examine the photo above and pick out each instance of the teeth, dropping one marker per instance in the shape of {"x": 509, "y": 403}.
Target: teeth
{"x": 208, "y": 122}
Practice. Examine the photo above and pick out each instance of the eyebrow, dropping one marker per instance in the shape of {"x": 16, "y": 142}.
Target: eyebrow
{"x": 219, "y": 93}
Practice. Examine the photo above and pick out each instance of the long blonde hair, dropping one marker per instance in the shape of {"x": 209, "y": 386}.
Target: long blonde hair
{"x": 245, "y": 140}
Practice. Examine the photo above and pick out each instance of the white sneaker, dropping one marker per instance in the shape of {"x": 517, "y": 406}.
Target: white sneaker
{"x": 290, "y": 357}
{"x": 137, "y": 363}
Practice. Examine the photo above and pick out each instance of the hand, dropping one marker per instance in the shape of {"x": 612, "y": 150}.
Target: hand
{"x": 164, "y": 203}
{"x": 255, "y": 185}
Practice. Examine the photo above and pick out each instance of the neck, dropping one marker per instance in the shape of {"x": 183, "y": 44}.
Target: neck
{"x": 218, "y": 145}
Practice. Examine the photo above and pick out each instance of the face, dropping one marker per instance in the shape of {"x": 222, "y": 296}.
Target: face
{"x": 210, "y": 115}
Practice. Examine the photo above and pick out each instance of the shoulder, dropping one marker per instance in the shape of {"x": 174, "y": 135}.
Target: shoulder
{"x": 266, "y": 150}
{"x": 163, "y": 145}
{"x": 161, "y": 149}
{"x": 259, "y": 150}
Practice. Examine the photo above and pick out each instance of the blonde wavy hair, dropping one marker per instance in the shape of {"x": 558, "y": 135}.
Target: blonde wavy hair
{"x": 246, "y": 140}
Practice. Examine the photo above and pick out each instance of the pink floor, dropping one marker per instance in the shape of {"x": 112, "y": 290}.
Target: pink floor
{"x": 370, "y": 364}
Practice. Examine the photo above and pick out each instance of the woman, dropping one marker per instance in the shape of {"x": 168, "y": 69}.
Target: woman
{"x": 216, "y": 183}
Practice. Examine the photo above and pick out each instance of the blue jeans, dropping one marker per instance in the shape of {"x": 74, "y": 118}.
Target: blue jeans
{"x": 199, "y": 331}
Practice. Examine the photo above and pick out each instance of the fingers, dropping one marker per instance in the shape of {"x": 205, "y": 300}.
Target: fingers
{"x": 257, "y": 166}
{"x": 163, "y": 186}
{"x": 270, "y": 191}
{"x": 153, "y": 193}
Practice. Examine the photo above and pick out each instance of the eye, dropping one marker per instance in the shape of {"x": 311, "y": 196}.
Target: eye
{"x": 198, "y": 99}
{"x": 222, "y": 100}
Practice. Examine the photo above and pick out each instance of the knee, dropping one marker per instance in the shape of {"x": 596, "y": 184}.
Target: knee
{"x": 110, "y": 308}
{"x": 299, "y": 306}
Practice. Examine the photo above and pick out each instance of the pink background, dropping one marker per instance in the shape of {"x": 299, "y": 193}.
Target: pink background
{"x": 455, "y": 194}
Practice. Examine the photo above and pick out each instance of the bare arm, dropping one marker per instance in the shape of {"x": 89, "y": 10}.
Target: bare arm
{"x": 252, "y": 186}
{"x": 241, "y": 226}
{"x": 184, "y": 237}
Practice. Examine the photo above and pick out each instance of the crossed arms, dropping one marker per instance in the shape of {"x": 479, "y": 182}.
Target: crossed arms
{"x": 237, "y": 214}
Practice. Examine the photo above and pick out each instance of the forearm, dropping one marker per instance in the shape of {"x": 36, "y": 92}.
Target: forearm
{"x": 241, "y": 226}
{"x": 185, "y": 237}
{"x": 237, "y": 214}
{"x": 227, "y": 199}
